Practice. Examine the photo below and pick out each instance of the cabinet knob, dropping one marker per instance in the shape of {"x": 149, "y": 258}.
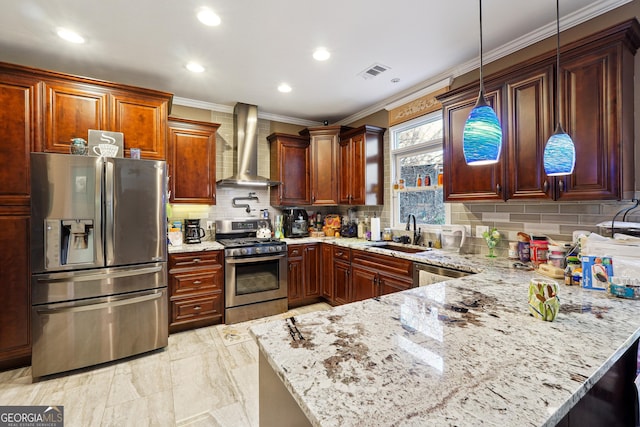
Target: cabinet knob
{"x": 545, "y": 186}
{"x": 561, "y": 184}
{"x": 197, "y": 307}
{"x": 339, "y": 253}
{"x": 197, "y": 282}
{"x": 196, "y": 260}
{"x": 313, "y": 199}
{"x": 498, "y": 189}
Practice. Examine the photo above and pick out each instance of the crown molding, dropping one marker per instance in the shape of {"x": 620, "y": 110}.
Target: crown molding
{"x": 221, "y": 108}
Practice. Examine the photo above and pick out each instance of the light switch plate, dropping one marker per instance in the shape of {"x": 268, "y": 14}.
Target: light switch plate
{"x": 481, "y": 229}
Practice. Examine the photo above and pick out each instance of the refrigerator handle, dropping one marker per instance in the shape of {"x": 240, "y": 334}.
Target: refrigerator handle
{"x": 109, "y": 229}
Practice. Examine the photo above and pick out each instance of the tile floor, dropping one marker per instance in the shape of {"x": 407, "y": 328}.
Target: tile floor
{"x": 204, "y": 377}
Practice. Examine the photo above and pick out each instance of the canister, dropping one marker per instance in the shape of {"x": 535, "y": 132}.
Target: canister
{"x": 539, "y": 251}
{"x": 524, "y": 251}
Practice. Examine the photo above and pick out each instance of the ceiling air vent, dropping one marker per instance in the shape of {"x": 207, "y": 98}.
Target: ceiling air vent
{"x": 373, "y": 71}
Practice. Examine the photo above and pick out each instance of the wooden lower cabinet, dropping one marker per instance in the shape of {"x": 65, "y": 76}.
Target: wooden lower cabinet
{"x": 356, "y": 275}
{"x": 303, "y": 277}
{"x": 196, "y": 290}
{"x": 15, "y": 290}
{"x": 326, "y": 271}
{"x": 374, "y": 275}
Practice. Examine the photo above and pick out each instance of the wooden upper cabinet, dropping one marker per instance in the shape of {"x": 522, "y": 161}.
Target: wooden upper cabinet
{"x": 530, "y": 122}
{"x": 597, "y": 112}
{"x": 191, "y": 161}
{"x": 361, "y": 166}
{"x": 143, "y": 121}
{"x": 462, "y": 182}
{"x": 71, "y": 109}
{"x": 324, "y": 163}
{"x": 596, "y": 106}
{"x": 290, "y": 165}
{"x": 19, "y": 135}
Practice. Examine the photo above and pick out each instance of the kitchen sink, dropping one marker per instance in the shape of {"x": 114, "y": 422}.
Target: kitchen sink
{"x": 400, "y": 248}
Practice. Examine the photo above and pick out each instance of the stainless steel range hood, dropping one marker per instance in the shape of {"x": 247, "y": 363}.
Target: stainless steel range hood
{"x": 245, "y": 123}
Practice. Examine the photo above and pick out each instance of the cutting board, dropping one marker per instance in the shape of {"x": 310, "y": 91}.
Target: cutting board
{"x": 551, "y": 271}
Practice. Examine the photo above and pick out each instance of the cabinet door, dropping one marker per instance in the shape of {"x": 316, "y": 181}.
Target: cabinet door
{"x": 143, "y": 121}
{"x": 590, "y": 98}
{"x": 71, "y": 110}
{"x": 345, "y": 165}
{"x": 364, "y": 283}
{"x": 324, "y": 159}
{"x": 530, "y": 115}
{"x": 358, "y": 170}
{"x": 295, "y": 279}
{"x": 327, "y": 271}
{"x": 15, "y": 330}
{"x": 192, "y": 162}
{"x": 390, "y": 284}
{"x": 290, "y": 164}
{"x": 463, "y": 182}
{"x": 312, "y": 279}
{"x": 342, "y": 282}
{"x": 19, "y": 135}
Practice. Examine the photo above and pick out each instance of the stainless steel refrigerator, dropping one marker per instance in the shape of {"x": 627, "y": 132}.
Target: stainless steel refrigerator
{"x": 98, "y": 260}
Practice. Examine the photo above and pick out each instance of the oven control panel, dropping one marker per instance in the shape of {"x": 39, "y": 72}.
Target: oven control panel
{"x": 255, "y": 250}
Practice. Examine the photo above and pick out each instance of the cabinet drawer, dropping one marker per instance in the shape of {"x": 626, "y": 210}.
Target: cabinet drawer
{"x": 342, "y": 253}
{"x": 295, "y": 250}
{"x": 187, "y": 282}
{"x": 198, "y": 259}
{"x": 383, "y": 263}
{"x": 189, "y": 309}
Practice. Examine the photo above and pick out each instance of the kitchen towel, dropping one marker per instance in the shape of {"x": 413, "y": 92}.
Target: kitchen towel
{"x": 375, "y": 229}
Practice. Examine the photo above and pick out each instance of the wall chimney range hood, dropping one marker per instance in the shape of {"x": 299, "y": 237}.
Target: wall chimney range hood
{"x": 245, "y": 124}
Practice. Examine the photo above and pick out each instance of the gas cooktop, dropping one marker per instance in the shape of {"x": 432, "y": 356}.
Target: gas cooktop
{"x": 240, "y": 242}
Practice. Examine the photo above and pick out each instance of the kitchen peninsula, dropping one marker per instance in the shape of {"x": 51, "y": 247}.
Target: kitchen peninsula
{"x": 464, "y": 352}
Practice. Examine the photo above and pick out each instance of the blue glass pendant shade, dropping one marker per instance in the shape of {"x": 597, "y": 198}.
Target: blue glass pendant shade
{"x": 482, "y": 135}
{"x": 559, "y": 154}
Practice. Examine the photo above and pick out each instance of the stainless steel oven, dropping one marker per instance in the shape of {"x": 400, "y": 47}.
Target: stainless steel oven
{"x": 255, "y": 272}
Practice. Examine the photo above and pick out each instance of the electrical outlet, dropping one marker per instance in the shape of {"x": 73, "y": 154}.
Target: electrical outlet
{"x": 209, "y": 225}
{"x": 481, "y": 229}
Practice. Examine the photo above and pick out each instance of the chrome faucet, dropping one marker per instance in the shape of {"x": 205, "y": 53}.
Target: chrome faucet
{"x": 252, "y": 196}
{"x": 416, "y": 236}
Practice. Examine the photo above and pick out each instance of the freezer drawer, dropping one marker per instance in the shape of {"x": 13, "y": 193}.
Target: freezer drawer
{"x": 77, "y": 334}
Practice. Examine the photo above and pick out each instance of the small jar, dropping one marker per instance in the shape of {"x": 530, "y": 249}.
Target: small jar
{"x": 401, "y": 184}
{"x": 513, "y": 250}
{"x": 440, "y": 176}
{"x": 386, "y": 234}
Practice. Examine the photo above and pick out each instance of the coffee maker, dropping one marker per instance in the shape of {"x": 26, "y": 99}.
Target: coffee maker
{"x": 192, "y": 231}
{"x": 295, "y": 222}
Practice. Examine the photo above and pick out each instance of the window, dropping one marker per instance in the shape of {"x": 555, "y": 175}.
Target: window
{"x": 416, "y": 151}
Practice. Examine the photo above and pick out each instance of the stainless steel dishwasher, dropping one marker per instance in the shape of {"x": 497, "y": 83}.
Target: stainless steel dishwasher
{"x": 427, "y": 274}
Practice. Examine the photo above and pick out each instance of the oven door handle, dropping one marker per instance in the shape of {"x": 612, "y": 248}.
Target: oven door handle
{"x": 253, "y": 259}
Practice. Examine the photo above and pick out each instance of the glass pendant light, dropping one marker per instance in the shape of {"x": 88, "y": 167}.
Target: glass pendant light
{"x": 559, "y": 154}
{"x": 482, "y": 135}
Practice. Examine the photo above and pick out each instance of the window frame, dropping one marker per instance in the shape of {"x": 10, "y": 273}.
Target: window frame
{"x": 395, "y": 154}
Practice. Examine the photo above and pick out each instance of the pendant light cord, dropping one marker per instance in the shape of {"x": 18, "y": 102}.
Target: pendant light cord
{"x": 481, "y": 78}
{"x": 557, "y": 63}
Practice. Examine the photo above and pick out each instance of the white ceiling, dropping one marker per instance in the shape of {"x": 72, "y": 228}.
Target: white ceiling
{"x": 263, "y": 43}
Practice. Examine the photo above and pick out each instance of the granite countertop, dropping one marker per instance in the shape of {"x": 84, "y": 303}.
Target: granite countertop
{"x": 463, "y": 352}
{"x": 206, "y": 245}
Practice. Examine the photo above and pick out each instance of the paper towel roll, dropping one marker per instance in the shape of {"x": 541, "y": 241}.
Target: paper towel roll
{"x": 375, "y": 229}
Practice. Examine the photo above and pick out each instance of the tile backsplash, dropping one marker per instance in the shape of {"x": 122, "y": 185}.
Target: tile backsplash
{"x": 556, "y": 220}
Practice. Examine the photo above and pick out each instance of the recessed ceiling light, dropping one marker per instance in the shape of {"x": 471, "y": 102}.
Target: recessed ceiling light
{"x": 195, "y": 67}
{"x": 284, "y": 88}
{"x": 395, "y": 80}
{"x": 208, "y": 17}
{"x": 321, "y": 54}
{"x": 70, "y": 36}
